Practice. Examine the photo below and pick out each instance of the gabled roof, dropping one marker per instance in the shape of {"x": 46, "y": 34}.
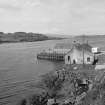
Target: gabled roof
{"x": 81, "y": 47}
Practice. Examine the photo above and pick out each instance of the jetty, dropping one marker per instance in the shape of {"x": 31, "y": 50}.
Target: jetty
{"x": 51, "y": 56}
{"x": 56, "y": 53}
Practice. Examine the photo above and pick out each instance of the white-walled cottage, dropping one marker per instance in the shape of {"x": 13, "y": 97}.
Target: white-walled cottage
{"x": 79, "y": 54}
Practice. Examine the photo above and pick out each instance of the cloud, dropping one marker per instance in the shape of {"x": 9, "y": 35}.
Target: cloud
{"x": 61, "y": 16}
{"x": 15, "y": 5}
{"x": 9, "y": 7}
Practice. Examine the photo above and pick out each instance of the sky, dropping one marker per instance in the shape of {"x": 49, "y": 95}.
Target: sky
{"x": 67, "y": 17}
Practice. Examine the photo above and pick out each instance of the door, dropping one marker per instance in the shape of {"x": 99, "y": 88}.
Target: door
{"x": 74, "y": 62}
{"x": 69, "y": 60}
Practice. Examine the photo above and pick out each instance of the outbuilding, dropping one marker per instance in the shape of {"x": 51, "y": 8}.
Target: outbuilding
{"x": 80, "y": 54}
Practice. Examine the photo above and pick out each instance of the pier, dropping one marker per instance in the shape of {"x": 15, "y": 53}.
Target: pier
{"x": 52, "y": 54}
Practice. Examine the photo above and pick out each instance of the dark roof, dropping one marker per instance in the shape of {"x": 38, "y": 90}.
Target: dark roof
{"x": 84, "y": 46}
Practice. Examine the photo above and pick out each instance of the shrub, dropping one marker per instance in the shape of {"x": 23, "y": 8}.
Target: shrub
{"x": 23, "y": 102}
{"x": 38, "y": 99}
{"x": 52, "y": 84}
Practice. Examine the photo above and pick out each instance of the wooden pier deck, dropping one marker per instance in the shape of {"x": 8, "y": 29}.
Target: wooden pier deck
{"x": 51, "y": 56}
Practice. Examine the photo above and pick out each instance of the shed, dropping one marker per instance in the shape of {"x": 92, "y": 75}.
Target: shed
{"x": 79, "y": 54}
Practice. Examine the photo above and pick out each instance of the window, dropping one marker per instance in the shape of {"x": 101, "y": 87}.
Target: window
{"x": 88, "y": 59}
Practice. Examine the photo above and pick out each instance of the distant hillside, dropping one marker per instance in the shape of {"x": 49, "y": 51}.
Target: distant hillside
{"x": 60, "y": 35}
{"x": 95, "y": 40}
{"x": 90, "y": 36}
{"x": 23, "y": 37}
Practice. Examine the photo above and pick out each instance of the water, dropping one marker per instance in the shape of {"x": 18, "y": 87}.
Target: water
{"x": 19, "y": 68}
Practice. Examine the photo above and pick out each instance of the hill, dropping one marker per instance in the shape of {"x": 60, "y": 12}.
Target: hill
{"x": 94, "y": 40}
{"x": 91, "y": 38}
{"x": 24, "y": 37}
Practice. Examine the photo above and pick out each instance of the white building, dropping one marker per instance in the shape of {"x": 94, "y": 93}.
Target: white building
{"x": 79, "y": 54}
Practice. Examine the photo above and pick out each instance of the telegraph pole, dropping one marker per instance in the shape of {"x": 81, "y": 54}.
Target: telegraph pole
{"x": 83, "y": 39}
